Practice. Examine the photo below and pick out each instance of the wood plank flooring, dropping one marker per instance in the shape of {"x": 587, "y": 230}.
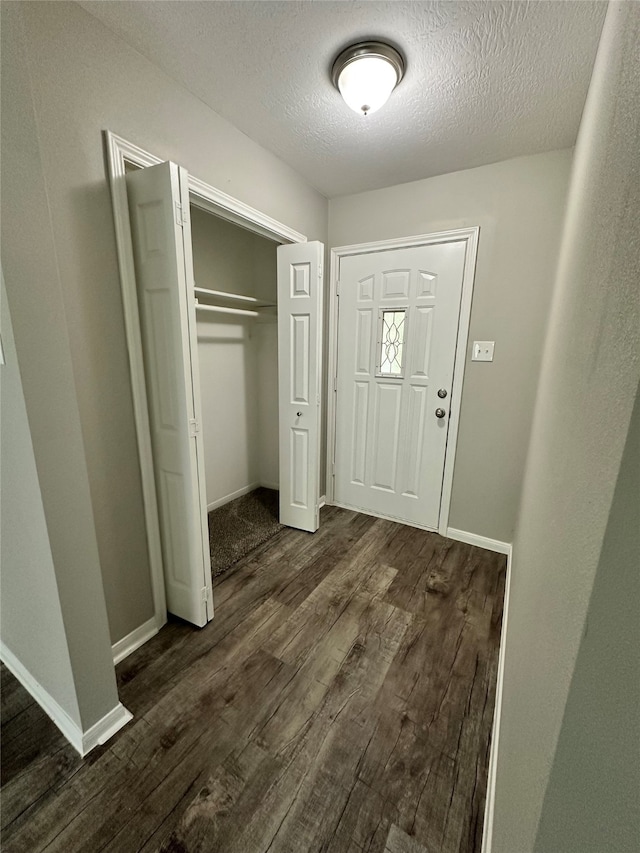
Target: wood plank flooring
{"x": 341, "y": 701}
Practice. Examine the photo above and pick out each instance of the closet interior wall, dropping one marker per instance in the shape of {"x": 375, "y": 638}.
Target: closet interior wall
{"x": 238, "y": 358}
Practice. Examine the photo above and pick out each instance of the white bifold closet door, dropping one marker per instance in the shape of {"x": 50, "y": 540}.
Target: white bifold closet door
{"x": 161, "y": 236}
{"x": 299, "y": 381}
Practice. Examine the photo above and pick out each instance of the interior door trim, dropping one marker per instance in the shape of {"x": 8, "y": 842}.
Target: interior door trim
{"x": 121, "y": 153}
{"x": 470, "y": 236}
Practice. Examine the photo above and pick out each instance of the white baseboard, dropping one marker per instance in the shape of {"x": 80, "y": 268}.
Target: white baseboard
{"x": 323, "y": 501}
{"x": 487, "y": 832}
{"x": 243, "y": 491}
{"x": 105, "y": 728}
{"x": 228, "y": 498}
{"x": 479, "y": 541}
{"x": 134, "y": 640}
{"x": 68, "y": 726}
{"x": 81, "y": 741}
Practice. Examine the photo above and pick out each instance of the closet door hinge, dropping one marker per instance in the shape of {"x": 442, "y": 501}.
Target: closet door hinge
{"x": 181, "y": 215}
{"x": 338, "y": 287}
{"x": 194, "y": 427}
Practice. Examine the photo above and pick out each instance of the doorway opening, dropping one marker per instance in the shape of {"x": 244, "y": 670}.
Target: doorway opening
{"x": 235, "y": 276}
{"x": 274, "y": 322}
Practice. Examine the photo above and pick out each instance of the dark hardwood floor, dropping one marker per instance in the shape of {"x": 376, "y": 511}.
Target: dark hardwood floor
{"x": 341, "y": 701}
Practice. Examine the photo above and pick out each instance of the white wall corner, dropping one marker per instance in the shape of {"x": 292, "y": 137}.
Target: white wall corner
{"x": 81, "y": 741}
{"x": 68, "y": 726}
{"x": 104, "y": 729}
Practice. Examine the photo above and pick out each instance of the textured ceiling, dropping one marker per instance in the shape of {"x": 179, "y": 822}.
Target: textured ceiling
{"x": 485, "y": 81}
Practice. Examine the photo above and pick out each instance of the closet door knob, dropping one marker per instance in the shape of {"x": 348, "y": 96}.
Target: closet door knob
{"x": 298, "y": 414}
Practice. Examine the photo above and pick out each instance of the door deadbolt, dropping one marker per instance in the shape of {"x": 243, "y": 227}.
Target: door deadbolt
{"x": 440, "y": 413}
{"x": 442, "y": 393}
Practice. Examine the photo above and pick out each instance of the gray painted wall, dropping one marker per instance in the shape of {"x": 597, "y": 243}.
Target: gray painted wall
{"x": 83, "y": 79}
{"x": 519, "y": 206}
{"x": 28, "y": 584}
{"x": 577, "y": 531}
{"x": 592, "y": 801}
{"x": 35, "y": 289}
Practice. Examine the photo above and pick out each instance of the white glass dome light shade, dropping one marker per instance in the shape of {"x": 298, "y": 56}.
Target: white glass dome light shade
{"x": 366, "y": 83}
{"x": 366, "y": 74}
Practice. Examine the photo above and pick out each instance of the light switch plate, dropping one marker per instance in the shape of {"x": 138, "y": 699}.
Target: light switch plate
{"x": 482, "y": 350}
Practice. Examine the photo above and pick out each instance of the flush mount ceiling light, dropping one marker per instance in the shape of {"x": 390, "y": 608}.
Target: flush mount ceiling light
{"x": 366, "y": 74}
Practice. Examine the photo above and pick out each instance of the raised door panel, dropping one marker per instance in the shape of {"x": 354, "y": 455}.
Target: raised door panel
{"x": 386, "y": 434}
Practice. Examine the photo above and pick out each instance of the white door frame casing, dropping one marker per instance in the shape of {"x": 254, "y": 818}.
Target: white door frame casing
{"x": 468, "y": 235}
{"x": 120, "y": 153}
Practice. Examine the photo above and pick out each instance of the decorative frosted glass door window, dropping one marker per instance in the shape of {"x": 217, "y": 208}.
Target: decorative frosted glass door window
{"x": 391, "y": 342}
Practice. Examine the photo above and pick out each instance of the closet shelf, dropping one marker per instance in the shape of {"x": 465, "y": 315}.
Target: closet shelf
{"x": 221, "y": 309}
{"x": 222, "y": 294}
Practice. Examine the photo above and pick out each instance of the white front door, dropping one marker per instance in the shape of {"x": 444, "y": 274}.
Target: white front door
{"x": 161, "y": 236}
{"x": 299, "y": 381}
{"x": 397, "y": 330}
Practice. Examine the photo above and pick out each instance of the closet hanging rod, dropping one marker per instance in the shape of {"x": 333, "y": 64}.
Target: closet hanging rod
{"x": 222, "y": 310}
{"x": 224, "y": 295}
